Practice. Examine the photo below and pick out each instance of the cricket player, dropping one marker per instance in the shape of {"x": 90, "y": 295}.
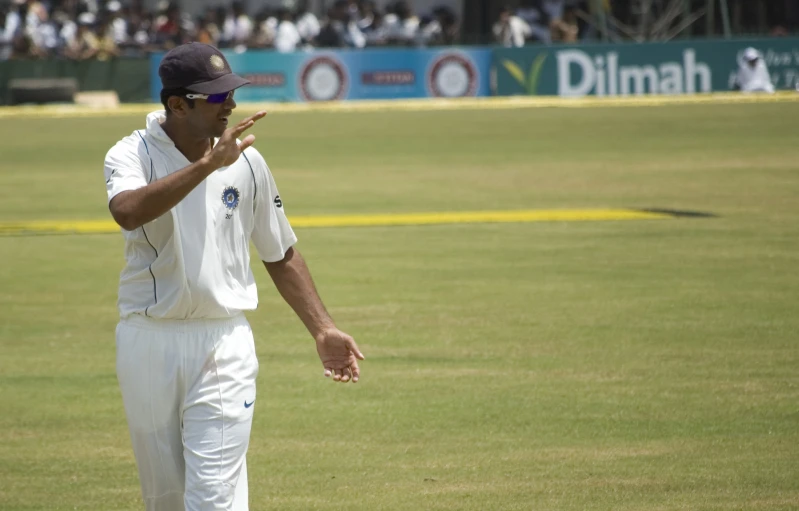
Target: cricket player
{"x": 190, "y": 197}
{"x": 753, "y": 75}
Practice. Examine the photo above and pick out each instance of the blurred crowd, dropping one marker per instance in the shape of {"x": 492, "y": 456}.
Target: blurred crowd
{"x": 568, "y": 21}
{"x": 540, "y": 21}
{"x": 102, "y": 29}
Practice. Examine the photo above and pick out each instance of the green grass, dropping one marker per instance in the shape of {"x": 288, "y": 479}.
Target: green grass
{"x": 559, "y": 366}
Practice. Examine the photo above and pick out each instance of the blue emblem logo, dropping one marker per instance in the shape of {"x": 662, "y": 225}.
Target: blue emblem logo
{"x": 230, "y": 197}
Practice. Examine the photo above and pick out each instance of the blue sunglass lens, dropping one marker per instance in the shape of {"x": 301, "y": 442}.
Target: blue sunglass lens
{"x": 218, "y": 98}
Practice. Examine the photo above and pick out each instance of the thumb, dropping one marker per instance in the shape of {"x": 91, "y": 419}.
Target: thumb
{"x": 354, "y": 349}
{"x": 247, "y": 142}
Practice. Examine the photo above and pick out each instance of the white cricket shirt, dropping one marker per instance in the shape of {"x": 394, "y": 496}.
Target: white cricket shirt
{"x": 194, "y": 260}
{"x": 755, "y": 79}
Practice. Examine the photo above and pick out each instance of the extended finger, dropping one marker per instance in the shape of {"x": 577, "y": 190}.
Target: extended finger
{"x": 328, "y": 372}
{"x": 249, "y": 121}
{"x": 354, "y": 349}
{"x": 242, "y": 126}
{"x": 247, "y": 142}
{"x": 337, "y": 373}
{"x": 345, "y": 375}
{"x": 258, "y": 115}
{"x": 356, "y": 372}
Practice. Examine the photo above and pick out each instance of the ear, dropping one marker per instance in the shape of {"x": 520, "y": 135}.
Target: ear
{"x": 178, "y": 106}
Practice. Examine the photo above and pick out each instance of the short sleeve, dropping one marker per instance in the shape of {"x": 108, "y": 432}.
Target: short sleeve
{"x": 272, "y": 234}
{"x": 124, "y": 169}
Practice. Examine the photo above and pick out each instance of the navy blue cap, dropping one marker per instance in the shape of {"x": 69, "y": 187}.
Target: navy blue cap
{"x": 198, "y": 67}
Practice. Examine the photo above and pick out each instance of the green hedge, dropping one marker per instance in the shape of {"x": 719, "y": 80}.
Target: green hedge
{"x": 129, "y": 77}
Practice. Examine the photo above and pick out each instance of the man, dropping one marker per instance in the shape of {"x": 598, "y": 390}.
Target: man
{"x": 753, "y": 75}
{"x": 189, "y": 198}
{"x": 511, "y": 31}
{"x": 287, "y": 37}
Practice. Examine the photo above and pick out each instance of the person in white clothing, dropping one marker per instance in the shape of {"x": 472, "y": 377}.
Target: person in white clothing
{"x": 288, "y": 37}
{"x": 308, "y": 26}
{"x": 753, "y": 75}
{"x": 511, "y": 31}
{"x": 190, "y": 197}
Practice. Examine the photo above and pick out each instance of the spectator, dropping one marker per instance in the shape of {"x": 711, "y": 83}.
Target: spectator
{"x": 553, "y": 9}
{"x": 22, "y": 48}
{"x": 339, "y": 29}
{"x": 510, "y": 30}
{"x": 119, "y": 24}
{"x": 141, "y": 29}
{"x": 367, "y": 15}
{"x": 308, "y": 26}
{"x": 45, "y": 37}
{"x": 536, "y": 20}
{"x": 67, "y": 29}
{"x": 565, "y": 29}
{"x": 90, "y": 6}
{"x": 84, "y": 45}
{"x": 207, "y": 29}
{"x": 106, "y": 45}
{"x": 167, "y": 27}
{"x": 37, "y": 14}
{"x": 238, "y": 27}
{"x": 288, "y": 37}
{"x": 402, "y": 25}
{"x": 448, "y": 32}
{"x": 354, "y": 10}
{"x": 376, "y": 33}
{"x": 753, "y": 75}
{"x": 329, "y": 36}
{"x": 14, "y": 22}
{"x": 5, "y": 39}
{"x": 264, "y": 30}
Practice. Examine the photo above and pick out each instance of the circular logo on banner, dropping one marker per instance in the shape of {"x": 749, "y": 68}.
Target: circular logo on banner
{"x": 452, "y": 75}
{"x": 323, "y": 79}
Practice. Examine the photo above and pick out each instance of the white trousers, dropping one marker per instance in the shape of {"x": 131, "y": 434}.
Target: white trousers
{"x": 188, "y": 389}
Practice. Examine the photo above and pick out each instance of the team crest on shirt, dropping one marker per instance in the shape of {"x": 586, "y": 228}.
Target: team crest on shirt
{"x": 230, "y": 197}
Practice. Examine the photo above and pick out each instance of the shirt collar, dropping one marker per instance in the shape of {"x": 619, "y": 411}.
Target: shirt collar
{"x": 154, "y": 129}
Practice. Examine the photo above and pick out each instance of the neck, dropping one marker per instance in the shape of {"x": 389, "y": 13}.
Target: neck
{"x": 192, "y": 146}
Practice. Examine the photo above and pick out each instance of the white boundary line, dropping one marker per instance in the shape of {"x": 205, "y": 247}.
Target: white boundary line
{"x": 420, "y": 105}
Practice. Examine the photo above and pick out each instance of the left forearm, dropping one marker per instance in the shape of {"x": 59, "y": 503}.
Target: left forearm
{"x": 293, "y": 280}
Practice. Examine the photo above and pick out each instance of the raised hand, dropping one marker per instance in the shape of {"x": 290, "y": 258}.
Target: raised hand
{"x": 227, "y": 150}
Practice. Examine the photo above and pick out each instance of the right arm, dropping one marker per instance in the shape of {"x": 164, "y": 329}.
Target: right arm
{"x": 133, "y": 208}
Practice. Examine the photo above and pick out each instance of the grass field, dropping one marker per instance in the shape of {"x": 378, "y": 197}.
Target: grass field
{"x": 621, "y": 365}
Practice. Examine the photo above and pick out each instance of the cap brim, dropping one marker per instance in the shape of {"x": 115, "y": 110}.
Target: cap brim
{"x": 222, "y": 84}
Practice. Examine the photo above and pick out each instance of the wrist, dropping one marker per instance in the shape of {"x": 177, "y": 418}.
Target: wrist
{"x": 319, "y": 332}
{"x": 209, "y": 163}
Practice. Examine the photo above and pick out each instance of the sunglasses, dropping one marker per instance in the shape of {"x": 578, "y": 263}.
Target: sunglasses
{"x": 212, "y": 98}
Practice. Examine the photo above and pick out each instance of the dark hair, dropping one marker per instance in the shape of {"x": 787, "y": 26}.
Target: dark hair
{"x": 167, "y": 93}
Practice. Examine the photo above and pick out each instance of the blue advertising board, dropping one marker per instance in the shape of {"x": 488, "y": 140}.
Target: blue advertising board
{"x": 355, "y": 74}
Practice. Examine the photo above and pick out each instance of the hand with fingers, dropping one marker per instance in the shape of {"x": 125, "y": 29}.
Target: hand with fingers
{"x": 227, "y": 150}
{"x": 339, "y": 355}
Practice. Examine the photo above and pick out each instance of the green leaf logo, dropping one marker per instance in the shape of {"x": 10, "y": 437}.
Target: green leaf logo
{"x": 530, "y": 82}
{"x": 515, "y": 71}
{"x": 535, "y": 74}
